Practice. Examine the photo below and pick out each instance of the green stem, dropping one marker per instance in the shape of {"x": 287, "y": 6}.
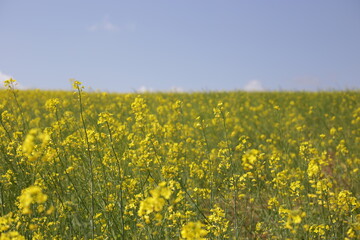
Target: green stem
{"x": 91, "y": 165}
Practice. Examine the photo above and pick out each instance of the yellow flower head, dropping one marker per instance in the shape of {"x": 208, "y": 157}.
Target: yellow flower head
{"x": 193, "y": 231}
{"x": 29, "y": 196}
{"x": 156, "y": 202}
{"x": 9, "y": 83}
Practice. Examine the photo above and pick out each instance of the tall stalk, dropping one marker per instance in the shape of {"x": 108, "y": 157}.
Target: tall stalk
{"x": 78, "y": 87}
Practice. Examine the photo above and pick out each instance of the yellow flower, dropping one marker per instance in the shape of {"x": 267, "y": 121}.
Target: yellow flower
{"x": 313, "y": 169}
{"x": 9, "y": 83}
{"x": 218, "y": 224}
{"x": 332, "y": 131}
{"x": 344, "y": 202}
{"x": 12, "y": 235}
{"x": 193, "y": 231}
{"x": 76, "y": 84}
{"x": 273, "y": 203}
{"x": 156, "y": 202}
{"x": 293, "y": 217}
{"x": 6, "y": 221}
{"x": 251, "y": 158}
{"x": 351, "y": 233}
{"x": 318, "y": 230}
{"x": 29, "y": 196}
{"x": 52, "y": 104}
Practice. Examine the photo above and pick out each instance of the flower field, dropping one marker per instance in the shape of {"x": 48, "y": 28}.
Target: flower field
{"x": 216, "y": 165}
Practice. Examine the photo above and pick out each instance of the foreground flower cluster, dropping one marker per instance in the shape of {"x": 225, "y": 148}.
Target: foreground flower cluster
{"x": 225, "y": 165}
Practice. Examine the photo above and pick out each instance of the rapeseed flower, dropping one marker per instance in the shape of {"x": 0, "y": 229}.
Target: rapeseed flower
{"x": 29, "y": 196}
{"x": 194, "y": 231}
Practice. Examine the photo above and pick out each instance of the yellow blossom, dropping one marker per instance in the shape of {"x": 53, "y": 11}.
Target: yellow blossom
{"x": 29, "y": 196}
{"x": 193, "y": 231}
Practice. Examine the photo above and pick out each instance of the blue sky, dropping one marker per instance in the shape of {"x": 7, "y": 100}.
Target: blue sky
{"x": 190, "y": 45}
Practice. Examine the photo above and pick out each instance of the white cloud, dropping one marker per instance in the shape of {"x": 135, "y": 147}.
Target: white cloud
{"x": 4, "y": 76}
{"x": 108, "y": 26}
{"x": 177, "y": 90}
{"x": 105, "y": 25}
{"x": 254, "y": 86}
{"x": 144, "y": 89}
